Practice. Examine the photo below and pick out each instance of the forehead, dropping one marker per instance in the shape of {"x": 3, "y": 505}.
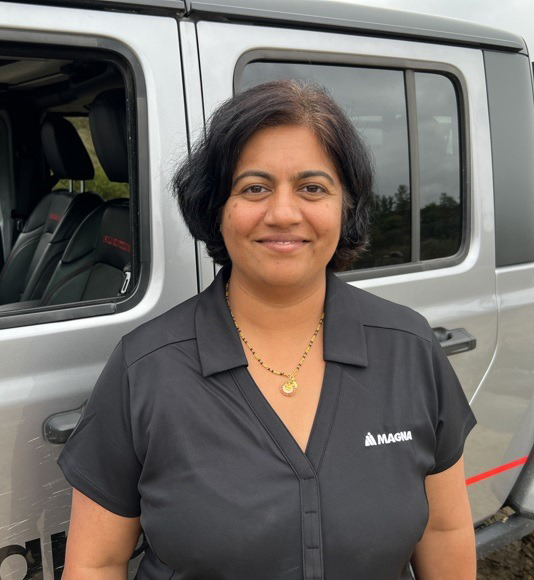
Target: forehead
{"x": 285, "y": 147}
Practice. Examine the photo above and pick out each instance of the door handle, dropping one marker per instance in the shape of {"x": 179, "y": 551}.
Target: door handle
{"x": 456, "y": 340}
{"x": 58, "y": 427}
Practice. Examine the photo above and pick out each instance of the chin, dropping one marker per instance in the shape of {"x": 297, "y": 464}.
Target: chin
{"x": 286, "y": 275}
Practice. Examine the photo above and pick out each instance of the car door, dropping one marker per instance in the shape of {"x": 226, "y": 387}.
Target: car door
{"x": 422, "y": 109}
{"x": 51, "y": 355}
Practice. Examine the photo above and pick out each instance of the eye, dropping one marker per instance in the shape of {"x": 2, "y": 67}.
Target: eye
{"x": 312, "y": 188}
{"x": 255, "y": 189}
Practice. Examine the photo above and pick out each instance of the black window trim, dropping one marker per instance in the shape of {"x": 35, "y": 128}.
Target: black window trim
{"x": 8, "y": 178}
{"x": 409, "y": 67}
{"x": 57, "y": 45}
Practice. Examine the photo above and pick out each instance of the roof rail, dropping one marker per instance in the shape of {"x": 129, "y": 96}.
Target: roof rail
{"x": 145, "y": 6}
{"x": 366, "y": 19}
{"x": 322, "y": 14}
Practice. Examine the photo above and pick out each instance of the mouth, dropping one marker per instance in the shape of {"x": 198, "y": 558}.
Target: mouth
{"x": 283, "y": 243}
{"x": 283, "y": 238}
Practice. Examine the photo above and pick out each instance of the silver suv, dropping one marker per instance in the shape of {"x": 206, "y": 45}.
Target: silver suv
{"x": 99, "y": 100}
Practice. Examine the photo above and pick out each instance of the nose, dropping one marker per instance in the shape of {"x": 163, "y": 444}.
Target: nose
{"x": 283, "y": 210}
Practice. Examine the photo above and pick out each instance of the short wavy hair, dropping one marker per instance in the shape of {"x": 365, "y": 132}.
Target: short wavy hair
{"x": 202, "y": 183}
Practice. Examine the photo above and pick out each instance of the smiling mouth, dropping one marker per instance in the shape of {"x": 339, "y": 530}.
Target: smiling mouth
{"x": 283, "y": 246}
{"x": 283, "y": 242}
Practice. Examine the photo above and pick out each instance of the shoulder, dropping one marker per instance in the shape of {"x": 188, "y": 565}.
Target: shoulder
{"x": 377, "y": 312}
{"x": 173, "y": 326}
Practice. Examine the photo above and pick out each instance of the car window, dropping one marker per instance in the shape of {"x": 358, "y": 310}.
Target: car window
{"x": 439, "y": 166}
{"x": 67, "y": 227}
{"x": 415, "y": 219}
{"x": 512, "y": 154}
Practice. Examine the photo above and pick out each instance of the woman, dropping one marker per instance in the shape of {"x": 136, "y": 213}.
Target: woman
{"x": 205, "y": 427}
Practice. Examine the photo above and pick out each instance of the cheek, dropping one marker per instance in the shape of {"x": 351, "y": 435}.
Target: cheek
{"x": 327, "y": 222}
{"x": 239, "y": 219}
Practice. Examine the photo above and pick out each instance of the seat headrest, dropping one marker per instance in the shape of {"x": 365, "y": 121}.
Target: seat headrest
{"x": 107, "y": 118}
{"x": 64, "y": 150}
{"x": 114, "y": 242}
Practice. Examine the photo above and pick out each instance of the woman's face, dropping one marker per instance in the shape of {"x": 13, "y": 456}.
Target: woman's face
{"x": 281, "y": 223}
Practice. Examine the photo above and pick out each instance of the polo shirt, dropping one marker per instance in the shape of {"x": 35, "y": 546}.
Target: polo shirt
{"x": 177, "y": 431}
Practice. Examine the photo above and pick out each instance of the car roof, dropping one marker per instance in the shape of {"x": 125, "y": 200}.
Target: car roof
{"x": 325, "y": 14}
{"x": 368, "y": 19}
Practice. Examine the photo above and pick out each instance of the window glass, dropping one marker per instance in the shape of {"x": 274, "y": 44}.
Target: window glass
{"x": 67, "y": 247}
{"x": 511, "y": 110}
{"x": 375, "y": 101}
{"x": 439, "y": 166}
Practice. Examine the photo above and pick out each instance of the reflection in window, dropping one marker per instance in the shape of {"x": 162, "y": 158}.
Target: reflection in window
{"x": 439, "y": 166}
{"x": 375, "y": 101}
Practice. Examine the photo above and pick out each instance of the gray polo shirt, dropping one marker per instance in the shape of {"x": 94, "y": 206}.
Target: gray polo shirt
{"x": 177, "y": 431}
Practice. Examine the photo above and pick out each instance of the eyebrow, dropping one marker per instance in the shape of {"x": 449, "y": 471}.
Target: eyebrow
{"x": 270, "y": 177}
{"x": 253, "y": 173}
{"x": 313, "y": 173}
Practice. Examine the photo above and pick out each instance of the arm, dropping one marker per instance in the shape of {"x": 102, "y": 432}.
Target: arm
{"x": 100, "y": 543}
{"x": 447, "y": 548}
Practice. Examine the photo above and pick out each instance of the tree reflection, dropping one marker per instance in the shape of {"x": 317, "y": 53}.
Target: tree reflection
{"x": 391, "y": 229}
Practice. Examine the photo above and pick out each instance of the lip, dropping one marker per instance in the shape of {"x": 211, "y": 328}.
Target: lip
{"x": 283, "y": 238}
{"x": 283, "y": 243}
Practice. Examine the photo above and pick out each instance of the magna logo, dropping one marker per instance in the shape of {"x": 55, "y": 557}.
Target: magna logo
{"x": 384, "y": 438}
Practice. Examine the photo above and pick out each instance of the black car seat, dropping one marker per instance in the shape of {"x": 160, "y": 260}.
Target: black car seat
{"x": 53, "y": 221}
{"x": 97, "y": 261}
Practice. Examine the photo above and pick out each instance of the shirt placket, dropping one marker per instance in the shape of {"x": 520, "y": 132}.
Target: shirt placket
{"x": 305, "y": 465}
{"x": 312, "y": 551}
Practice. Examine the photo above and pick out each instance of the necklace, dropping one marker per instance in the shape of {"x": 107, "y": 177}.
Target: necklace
{"x": 290, "y": 386}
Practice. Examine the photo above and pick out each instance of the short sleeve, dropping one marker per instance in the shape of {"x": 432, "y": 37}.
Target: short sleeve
{"x": 455, "y": 419}
{"x": 99, "y": 458}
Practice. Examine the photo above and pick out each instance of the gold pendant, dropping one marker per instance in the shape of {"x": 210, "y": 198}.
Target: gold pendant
{"x": 289, "y": 387}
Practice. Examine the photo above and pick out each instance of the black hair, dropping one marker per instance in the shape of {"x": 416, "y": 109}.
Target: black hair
{"x": 202, "y": 184}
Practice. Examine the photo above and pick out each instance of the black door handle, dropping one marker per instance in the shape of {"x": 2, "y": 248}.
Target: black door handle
{"x": 456, "y": 340}
{"x": 58, "y": 427}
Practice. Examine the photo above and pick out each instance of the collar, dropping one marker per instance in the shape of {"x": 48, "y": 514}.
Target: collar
{"x": 219, "y": 344}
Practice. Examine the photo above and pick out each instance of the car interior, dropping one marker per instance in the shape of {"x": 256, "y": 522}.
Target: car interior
{"x": 65, "y": 234}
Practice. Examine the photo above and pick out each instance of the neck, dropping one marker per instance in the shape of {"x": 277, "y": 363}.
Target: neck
{"x": 270, "y": 308}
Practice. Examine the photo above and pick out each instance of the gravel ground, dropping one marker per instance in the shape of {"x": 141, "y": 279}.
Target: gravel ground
{"x": 515, "y": 561}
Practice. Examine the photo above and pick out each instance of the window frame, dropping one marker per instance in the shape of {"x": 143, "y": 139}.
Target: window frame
{"x": 56, "y": 46}
{"x": 409, "y": 67}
